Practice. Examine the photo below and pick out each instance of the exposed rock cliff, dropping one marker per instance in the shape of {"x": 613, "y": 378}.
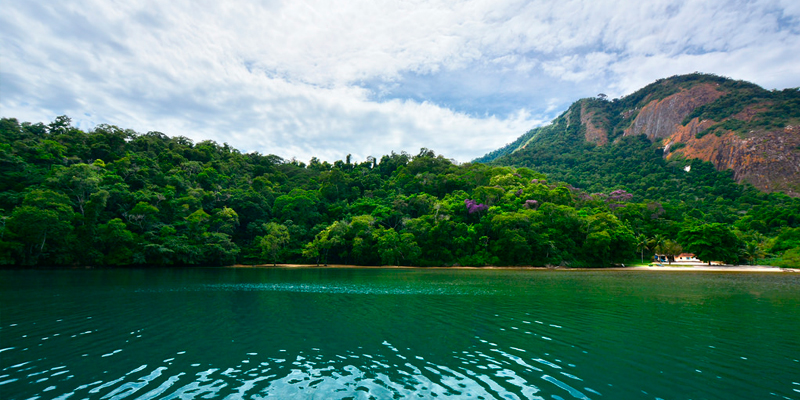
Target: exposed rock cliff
{"x": 733, "y": 124}
{"x": 661, "y": 119}
{"x": 769, "y": 160}
{"x": 595, "y": 133}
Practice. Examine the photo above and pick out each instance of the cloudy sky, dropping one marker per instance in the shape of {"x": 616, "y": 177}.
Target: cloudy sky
{"x": 329, "y": 78}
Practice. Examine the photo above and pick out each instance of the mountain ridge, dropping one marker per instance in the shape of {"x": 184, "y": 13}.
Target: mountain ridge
{"x": 734, "y": 125}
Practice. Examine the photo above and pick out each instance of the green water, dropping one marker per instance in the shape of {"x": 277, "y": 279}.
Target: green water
{"x": 392, "y": 334}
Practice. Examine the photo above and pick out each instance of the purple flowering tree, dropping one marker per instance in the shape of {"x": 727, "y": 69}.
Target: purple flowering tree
{"x": 616, "y": 198}
{"x": 619, "y": 195}
{"x": 585, "y": 196}
{"x": 531, "y": 204}
{"x": 473, "y": 206}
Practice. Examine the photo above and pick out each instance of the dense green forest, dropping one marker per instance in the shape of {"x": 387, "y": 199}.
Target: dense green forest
{"x": 115, "y": 197}
{"x": 693, "y": 191}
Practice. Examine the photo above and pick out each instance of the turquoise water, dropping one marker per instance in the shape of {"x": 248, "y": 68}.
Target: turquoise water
{"x": 396, "y": 334}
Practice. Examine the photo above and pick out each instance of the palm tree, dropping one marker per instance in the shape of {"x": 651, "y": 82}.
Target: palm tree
{"x": 642, "y": 244}
{"x": 752, "y": 251}
{"x": 657, "y": 243}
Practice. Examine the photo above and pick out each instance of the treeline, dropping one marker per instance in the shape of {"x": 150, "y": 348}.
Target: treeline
{"x": 115, "y": 197}
{"x": 693, "y": 191}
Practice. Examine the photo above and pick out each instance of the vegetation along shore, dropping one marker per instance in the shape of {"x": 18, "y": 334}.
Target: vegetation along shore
{"x": 586, "y": 191}
{"x": 671, "y": 268}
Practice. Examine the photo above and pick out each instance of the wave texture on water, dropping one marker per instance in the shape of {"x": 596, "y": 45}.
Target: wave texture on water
{"x": 398, "y": 335}
{"x": 486, "y": 373}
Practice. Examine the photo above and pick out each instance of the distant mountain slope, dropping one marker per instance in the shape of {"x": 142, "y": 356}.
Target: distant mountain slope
{"x": 734, "y": 125}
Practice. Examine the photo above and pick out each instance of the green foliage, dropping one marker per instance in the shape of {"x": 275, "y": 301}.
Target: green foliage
{"x": 509, "y": 148}
{"x": 276, "y": 236}
{"x": 790, "y": 259}
{"x": 676, "y": 146}
{"x": 43, "y": 227}
{"x": 774, "y": 110}
{"x": 711, "y": 242}
{"x": 788, "y": 238}
{"x": 642, "y": 243}
{"x": 638, "y": 166}
{"x": 116, "y": 197}
{"x": 752, "y": 251}
{"x": 739, "y": 95}
{"x": 395, "y": 248}
{"x": 115, "y": 243}
{"x": 608, "y": 239}
{"x": 667, "y": 197}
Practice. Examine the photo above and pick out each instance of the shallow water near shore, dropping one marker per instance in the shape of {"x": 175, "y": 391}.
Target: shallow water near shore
{"x": 398, "y": 333}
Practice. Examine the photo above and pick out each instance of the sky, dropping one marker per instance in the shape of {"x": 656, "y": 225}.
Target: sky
{"x": 302, "y": 79}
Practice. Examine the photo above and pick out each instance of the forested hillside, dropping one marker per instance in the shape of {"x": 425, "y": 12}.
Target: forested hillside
{"x": 653, "y": 144}
{"x": 115, "y": 197}
{"x": 735, "y": 125}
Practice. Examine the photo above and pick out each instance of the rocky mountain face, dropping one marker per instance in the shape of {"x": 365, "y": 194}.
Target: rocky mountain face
{"x": 769, "y": 159}
{"x": 734, "y": 125}
{"x": 661, "y": 119}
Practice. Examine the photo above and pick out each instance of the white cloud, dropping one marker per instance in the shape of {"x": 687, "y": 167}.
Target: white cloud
{"x": 322, "y": 78}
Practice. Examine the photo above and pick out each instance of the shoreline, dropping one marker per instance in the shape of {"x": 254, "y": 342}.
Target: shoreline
{"x": 674, "y": 268}
{"x": 713, "y": 268}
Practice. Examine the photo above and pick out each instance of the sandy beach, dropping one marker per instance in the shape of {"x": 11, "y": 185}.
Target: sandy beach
{"x": 716, "y": 268}
{"x": 672, "y": 268}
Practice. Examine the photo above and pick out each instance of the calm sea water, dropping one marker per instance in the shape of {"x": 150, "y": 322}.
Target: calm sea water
{"x": 396, "y": 334}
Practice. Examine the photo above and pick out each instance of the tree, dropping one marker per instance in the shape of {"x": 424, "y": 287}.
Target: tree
{"x": 710, "y": 242}
{"x": 790, "y": 258}
{"x": 115, "y": 242}
{"x": 511, "y": 245}
{"x": 360, "y": 235}
{"x": 394, "y": 248}
{"x": 60, "y": 125}
{"x": 43, "y": 219}
{"x": 671, "y": 249}
{"x": 218, "y": 249}
{"x": 225, "y": 220}
{"x": 329, "y": 237}
{"x": 787, "y": 239}
{"x": 80, "y": 181}
{"x": 198, "y": 222}
{"x": 143, "y": 215}
{"x": 608, "y": 239}
{"x": 312, "y": 250}
{"x": 299, "y": 206}
{"x": 642, "y": 244}
{"x": 657, "y": 243}
{"x": 113, "y": 196}
{"x": 599, "y": 243}
{"x": 277, "y": 235}
{"x": 752, "y": 251}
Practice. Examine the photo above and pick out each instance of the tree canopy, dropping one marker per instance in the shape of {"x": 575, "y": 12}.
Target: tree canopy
{"x": 115, "y": 197}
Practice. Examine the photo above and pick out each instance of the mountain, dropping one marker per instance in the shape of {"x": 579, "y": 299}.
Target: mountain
{"x": 735, "y": 125}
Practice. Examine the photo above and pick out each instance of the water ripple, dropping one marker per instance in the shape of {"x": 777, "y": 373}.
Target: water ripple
{"x": 313, "y": 376}
{"x": 399, "y": 339}
{"x": 334, "y": 288}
